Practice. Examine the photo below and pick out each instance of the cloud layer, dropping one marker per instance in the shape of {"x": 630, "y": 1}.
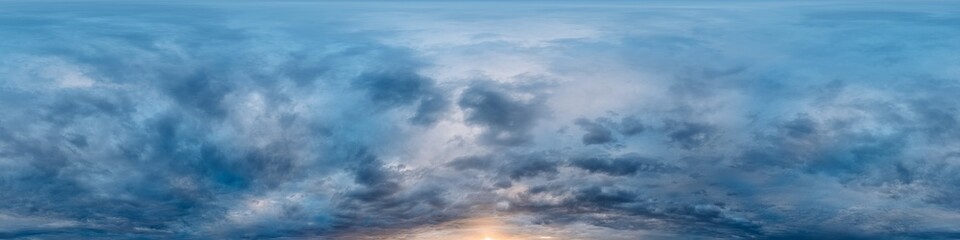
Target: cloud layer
{"x": 444, "y": 120}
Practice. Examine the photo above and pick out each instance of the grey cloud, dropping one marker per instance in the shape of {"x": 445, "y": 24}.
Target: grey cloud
{"x": 630, "y": 126}
{"x": 800, "y": 128}
{"x": 431, "y": 109}
{"x": 222, "y": 121}
{"x": 532, "y": 165}
{"x": 601, "y": 130}
{"x": 939, "y": 118}
{"x": 403, "y": 87}
{"x": 507, "y": 121}
{"x": 622, "y": 205}
{"x": 200, "y": 92}
{"x": 472, "y": 162}
{"x": 596, "y": 133}
{"x": 370, "y": 173}
{"x": 599, "y": 197}
{"x": 156, "y": 146}
{"x": 515, "y": 166}
{"x": 393, "y": 88}
{"x": 628, "y": 164}
{"x": 689, "y": 135}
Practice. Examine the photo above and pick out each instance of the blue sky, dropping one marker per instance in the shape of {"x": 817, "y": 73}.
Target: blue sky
{"x": 473, "y": 120}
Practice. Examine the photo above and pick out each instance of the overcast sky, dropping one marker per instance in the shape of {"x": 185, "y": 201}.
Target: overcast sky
{"x": 470, "y": 120}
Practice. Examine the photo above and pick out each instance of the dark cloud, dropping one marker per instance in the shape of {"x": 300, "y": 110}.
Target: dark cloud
{"x": 531, "y": 165}
{"x": 472, "y": 162}
{"x": 200, "y": 92}
{"x": 689, "y": 135}
{"x": 622, "y": 205}
{"x": 403, "y": 87}
{"x": 800, "y": 128}
{"x": 601, "y": 130}
{"x": 939, "y": 119}
{"x": 376, "y": 180}
{"x": 507, "y": 121}
{"x": 155, "y": 144}
{"x": 597, "y": 196}
{"x": 630, "y": 126}
{"x": 510, "y": 165}
{"x": 628, "y": 164}
{"x": 431, "y": 109}
{"x": 596, "y": 133}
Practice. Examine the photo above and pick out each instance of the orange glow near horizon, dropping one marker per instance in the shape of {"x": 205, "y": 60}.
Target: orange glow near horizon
{"x": 491, "y": 227}
{"x": 478, "y": 228}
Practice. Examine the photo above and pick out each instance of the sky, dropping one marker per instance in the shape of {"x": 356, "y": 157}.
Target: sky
{"x": 477, "y": 120}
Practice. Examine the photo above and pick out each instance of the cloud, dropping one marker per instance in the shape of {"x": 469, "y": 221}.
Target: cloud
{"x": 596, "y": 133}
{"x": 616, "y": 120}
{"x": 630, "y": 126}
{"x": 375, "y": 179}
{"x": 689, "y": 135}
{"x": 624, "y": 165}
{"x": 471, "y": 162}
{"x": 402, "y": 87}
{"x": 506, "y": 120}
{"x": 531, "y": 165}
{"x": 601, "y": 130}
